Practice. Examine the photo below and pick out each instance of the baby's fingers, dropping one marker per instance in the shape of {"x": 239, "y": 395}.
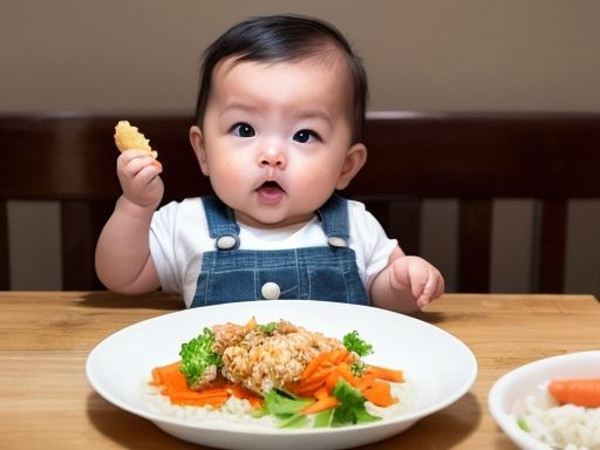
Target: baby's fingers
{"x": 130, "y": 155}
{"x": 138, "y": 175}
{"x": 145, "y": 175}
{"x": 132, "y": 162}
{"x": 433, "y": 288}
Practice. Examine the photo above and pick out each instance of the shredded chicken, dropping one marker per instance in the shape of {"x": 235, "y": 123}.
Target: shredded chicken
{"x": 261, "y": 361}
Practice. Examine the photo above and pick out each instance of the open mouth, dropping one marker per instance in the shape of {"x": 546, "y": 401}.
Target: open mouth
{"x": 270, "y": 186}
{"x": 270, "y": 191}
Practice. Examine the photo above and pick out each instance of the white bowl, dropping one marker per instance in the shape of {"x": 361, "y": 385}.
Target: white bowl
{"x": 513, "y": 387}
{"x": 441, "y": 367}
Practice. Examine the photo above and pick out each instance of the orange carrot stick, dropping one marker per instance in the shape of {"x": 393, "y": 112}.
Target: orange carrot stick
{"x": 168, "y": 375}
{"x": 313, "y": 365}
{"x": 581, "y": 392}
{"x": 339, "y": 355}
{"x": 365, "y": 382}
{"x": 332, "y": 380}
{"x": 320, "y": 405}
{"x": 319, "y": 375}
{"x": 172, "y": 383}
{"x": 379, "y": 394}
{"x": 198, "y": 398}
{"x": 321, "y": 393}
{"x": 346, "y": 373}
{"x": 308, "y": 390}
{"x": 383, "y": 373}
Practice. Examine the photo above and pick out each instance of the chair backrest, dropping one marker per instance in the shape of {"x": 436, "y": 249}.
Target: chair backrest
{"x": 474, "y": 158}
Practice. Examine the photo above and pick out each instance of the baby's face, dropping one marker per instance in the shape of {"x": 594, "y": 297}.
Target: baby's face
{"x": 276, "y": 137}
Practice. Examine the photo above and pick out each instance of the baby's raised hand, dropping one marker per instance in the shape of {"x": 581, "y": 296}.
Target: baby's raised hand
{"x": 417, "y": 276}
{"x": 137, "y": 167}
{"x": 138, "y": 174}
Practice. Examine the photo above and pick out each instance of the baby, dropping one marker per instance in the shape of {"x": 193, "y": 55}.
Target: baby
{"x": 278, "y": 130}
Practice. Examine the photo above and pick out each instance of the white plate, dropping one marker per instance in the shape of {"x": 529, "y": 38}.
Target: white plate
{"x": 440, "y": 365}
{"x": 525, "y": 380}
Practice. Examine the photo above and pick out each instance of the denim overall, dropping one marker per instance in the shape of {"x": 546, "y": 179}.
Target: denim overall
{"x": 327, "y": 272}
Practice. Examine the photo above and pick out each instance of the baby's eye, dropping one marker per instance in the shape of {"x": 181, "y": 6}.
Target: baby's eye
{"x": 243, "y": 130}
{"x": 304, "y": 136}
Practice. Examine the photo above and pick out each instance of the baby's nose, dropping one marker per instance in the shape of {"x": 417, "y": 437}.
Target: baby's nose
{"x": 272, "y": 156}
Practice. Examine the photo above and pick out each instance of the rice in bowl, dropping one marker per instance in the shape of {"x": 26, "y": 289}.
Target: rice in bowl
{"x": 567, "y": 427}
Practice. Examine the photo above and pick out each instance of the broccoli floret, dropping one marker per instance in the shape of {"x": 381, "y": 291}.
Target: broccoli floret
{"x": 197, "y": 355}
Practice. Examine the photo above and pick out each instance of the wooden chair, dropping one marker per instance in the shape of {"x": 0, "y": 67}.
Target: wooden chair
{"x": 477, "y": 158}
{"x": 71, "y": 159}
{"x": 474, "y": 158}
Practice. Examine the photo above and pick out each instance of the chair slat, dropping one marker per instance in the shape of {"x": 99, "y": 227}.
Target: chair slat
{"x": 400, "y": 218}
{"x": 4, "y": 255}
{"x": 81, "y": 225}
{"x": 405, "y": 224}
{"x": 475, "y": 245}
{"x": 552, "y": 245}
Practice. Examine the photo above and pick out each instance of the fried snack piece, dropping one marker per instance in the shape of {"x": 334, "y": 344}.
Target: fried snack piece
{"x": 128, "y": 137}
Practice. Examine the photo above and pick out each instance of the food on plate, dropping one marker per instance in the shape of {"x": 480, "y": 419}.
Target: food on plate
{"x": 580, "y": 392}
{"x": 128, "y": 137}
{"x": 565, "y": 414}
{"x": 296, "y": 377}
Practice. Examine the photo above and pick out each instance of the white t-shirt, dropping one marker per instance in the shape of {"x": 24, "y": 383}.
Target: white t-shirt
{"x": 179, "y": 237}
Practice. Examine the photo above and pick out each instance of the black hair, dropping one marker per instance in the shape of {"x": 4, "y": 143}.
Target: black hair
{"x": 283, "y": 38}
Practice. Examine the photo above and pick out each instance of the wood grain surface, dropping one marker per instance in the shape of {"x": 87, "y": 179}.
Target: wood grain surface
{"x": 45, "y": 337}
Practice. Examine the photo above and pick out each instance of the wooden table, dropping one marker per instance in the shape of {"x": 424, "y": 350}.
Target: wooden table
{"x": 46, "y": 401}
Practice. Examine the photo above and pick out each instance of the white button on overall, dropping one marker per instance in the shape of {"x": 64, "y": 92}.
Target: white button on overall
{"x": 336, "y": 241}
{"x": 270, "y": 291}
{"x": 226, "y": 242}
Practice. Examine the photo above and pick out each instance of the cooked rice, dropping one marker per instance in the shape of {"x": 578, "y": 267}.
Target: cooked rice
{"x": 566, "y": 427}
{"x": 237, "y": 411}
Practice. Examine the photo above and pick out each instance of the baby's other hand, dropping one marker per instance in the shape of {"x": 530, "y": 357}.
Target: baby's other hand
{"x": 421, "y": 279}
{"x": 138, "y": 173}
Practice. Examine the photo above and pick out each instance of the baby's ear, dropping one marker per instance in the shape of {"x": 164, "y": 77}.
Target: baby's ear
{"x": 355, "y": 160}
{"x": 197, "y": 141}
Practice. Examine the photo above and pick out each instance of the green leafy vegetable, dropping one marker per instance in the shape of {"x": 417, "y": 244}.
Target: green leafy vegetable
{"x": 297, "y": 420}
{"x": 354, "y": 343}
{"x": 269, "y": 328}
{"x": 197, "y": 355}
{"x": 352, "y": 406}
{"x": 280, "y": 403}
{"x": 285, "y": 408}
{"x": 324, "y": 418}
{"x": 523, "y": 425}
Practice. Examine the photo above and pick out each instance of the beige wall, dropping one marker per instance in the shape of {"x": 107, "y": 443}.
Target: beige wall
{"x": 422, "y": 55}
{"x": 142, "y": 55}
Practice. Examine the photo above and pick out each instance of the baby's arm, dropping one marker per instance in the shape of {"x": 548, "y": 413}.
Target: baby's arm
{"x": 407, "y": 284}
{"x": 123, "y": 260}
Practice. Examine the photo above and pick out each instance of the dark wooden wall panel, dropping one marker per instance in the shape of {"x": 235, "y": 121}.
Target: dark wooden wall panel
{"x": 4, "y": 255}
{"x": 473, "y": 157}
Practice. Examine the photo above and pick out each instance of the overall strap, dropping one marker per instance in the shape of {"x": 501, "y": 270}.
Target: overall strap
{"x": 334, "y": 215}
{"x": 222, "y": 225}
